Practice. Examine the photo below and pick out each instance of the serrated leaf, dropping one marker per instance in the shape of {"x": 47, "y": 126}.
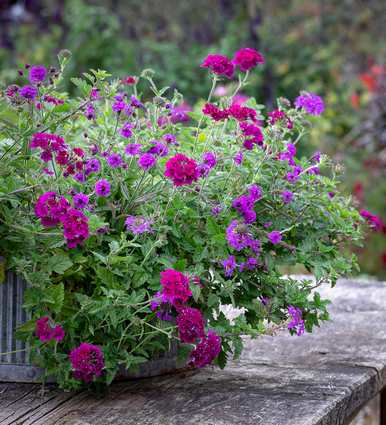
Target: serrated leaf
{"x": 180, "y": 266}
{"x": 212, "y": 226}
{"x": 195, "y": 290}
{"x": 60, "y": 262}
{"x": 58, "y": 296}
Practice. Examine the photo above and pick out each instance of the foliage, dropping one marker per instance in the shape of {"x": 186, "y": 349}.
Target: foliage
{"x": 102, "y": 286}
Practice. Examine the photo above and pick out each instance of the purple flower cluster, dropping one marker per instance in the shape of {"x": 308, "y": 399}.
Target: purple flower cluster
{"x": 47, "y": 330}
{"x": 229, "y": 265}
{"x": 80, "y": 201}
{"x": 119, "y": 106}
{"x": 158, "y": 149}
{"x": 135, "y": 103}
{"x": 287, "y": 196}
{"x": 126, "y": 131}
{"x": 89, "y": 113}
{"x": 102, "y": 188}
{"x": 238, "y": 158}
{"x": 313, "y": 104}
{"x": 164, "y": 304}
{"x": 244, "y": 205}
{"x": 275, "y": 237}
{"x": 114, "y": 160}
{"x": 146, "y": 161}
{"x": 28, "y": 93}
{"x": 38, "y": 73}
{"x": 209, "y": 159}
{"x": 371, "y": 219}
{"x": 138, "y": 225}
{"x": 87, "y": 360}
{"x": 133, "y": 149}
{"x": 216, "y": 209}
{"x": 296, "y": 320}
{"x": 206, "y": 350}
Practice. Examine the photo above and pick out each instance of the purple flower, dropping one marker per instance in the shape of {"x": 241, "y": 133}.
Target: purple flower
{"x": 81, "y": 200}
{"x": 296, "y": 320}
{"x": 135, "y": 102}
{"x": 118, "y": 95}
{"x": 92, "y": 166}
{"x": 126, "y": 131}
{"x": 292, "y": 177}
{"x": 243, "y": 204}
{"x": 46, "y": 155}
{"x": 158, "y": 149}
{"x": 237, "y": 235}
{"x": 169, "y": 139}
{"x": 138, "y": 225}
{"x": 251, "y": 263}
{"x": 254, "y": 245}
{"x": 298, "y": 169}
{"x": 102, "y": 230}
{"x": 114, "y": 160}
{"x": 38, "y": 73}
{"x": 133, "y": 149}
{"x": 80, "y": 177}
{"x": 45, "y": 334}
{"x": 119, "y": 106}
{"x": 216, "y": 209}
{"x": 229, "y": 265}
{"x": 58, "y": 333}
{"x": 331, "y": 195}
{"x": 314, "y": 170}
{"x": 203, "y": 169}
{"x": 287, "y": 195}
{"x": 313, "y": 104}
{"x": 275, "y": 237}
{"x": 327, "y": 213}
{"x": 209, "y": 159}
{"x": 28, "y": 92}
{"x": 255, "y": 192}
{"x": 267, "y": 224}
{"x": 291, "y": 149}
{"x": 249, "y": 216}
{"x": 89, "y": 112}
{"x": 102, "y": 188}
{"x": 146, "y": 161}
{"x": 238, "y": 158}
{"x": 317, "y": 156}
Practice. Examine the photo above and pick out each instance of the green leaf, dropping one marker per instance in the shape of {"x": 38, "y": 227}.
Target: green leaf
{"x": 110, "y": 375}
{"x": 195, "y": 290}
{"x": 180, "y": 266}
{"x": 183, "y": 353}
{"x": 212, "y": 226}
{"x": 29, "y": 326}
{"x": 60, "y": 262}
{"x": 213, "y": 299}
{"x": 238, "y": 347}
{"x": 58, "y": 296}
{"x": 200, "y": 254}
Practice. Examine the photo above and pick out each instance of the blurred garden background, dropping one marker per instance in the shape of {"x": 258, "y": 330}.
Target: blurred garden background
{"x": 333, "y": 48}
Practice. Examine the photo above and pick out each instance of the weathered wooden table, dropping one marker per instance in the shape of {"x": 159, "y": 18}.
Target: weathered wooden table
{"x": 321, "y": 378}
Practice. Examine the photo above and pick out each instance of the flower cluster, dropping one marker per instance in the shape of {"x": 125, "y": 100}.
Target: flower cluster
{"x": 240, "y": 113}
{"x": 247, "y": 58}
{"x": 371, "y": 219}
{"x": 164, "y": 304}
{"x": 138, "y": 225}
{"x": 50, "y": 143}
{"x": 280, "y": 119}
{"x": 296, "y": 320}
{"x": 313, "y": 104}
{"x": 176, "y": 286}
{"x": 38, "y": 73}
{"x": 182, "y": 170}
{"x": 220, "y": 65}
{"x": 190, "y": 324}
{"x": 50, "y": 100}
{"x": 206, "y": 350}
{"x": 54, "y": 209}
{"x": 87, "y": 360}
{"x": 47, "y": 329}
{"x": 250, "y": 130}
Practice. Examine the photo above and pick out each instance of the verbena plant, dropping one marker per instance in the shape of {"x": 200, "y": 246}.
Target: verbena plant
{"x": 132, "y": 229}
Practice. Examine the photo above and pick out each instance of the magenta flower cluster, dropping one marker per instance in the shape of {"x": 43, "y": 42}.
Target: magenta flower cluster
{"x": 182, "y": 170}
{"x": 281, "y": 119}
{"x": 206, "y": 350}
{"x": 48, "y": 329}
{"x": 53, "y": 209}
{"x": 371, "y": 220}
{"x": 87, "y": 360}
{"x": 313, "y": 104}
{"x": 190, "y": 324}
{"x": 255, "y": 134}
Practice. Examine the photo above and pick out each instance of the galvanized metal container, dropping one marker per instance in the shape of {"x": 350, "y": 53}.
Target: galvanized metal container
{"x": 16, "y": 368}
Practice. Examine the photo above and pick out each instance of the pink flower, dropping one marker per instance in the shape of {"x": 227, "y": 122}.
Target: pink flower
{"x": 58, "y": 333}
{"x": 176, "y": 285}
{"x": 182, "y": 170}
{"x": 42, "y": 323}
{"x": 219, "y": 65}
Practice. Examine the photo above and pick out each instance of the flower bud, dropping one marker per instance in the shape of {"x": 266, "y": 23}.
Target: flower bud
{"x": 51, "y": 81}
{"x": 338, "y": 169}
{"x": 148, "y": 73}
{"x": 159, "y": 101}
{"x": 52, "y": 68}
{"x": 56, "y": 75}
{"x": 65, "y": 53}
{"x": 283, "y": 102}
{"x": 27, "y": 65}
{"x": 305, "y": 123}
{"x": 39, "y": 84}
{"x": 91, "y": 208}
{"x": 20, "y": 72}
{"x": 85, "y": 135}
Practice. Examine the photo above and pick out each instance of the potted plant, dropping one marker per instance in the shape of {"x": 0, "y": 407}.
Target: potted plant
{"x": 132, "y": 229}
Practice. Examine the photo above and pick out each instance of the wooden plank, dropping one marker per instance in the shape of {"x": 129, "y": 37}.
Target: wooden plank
{"x": 316, "y": 379}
